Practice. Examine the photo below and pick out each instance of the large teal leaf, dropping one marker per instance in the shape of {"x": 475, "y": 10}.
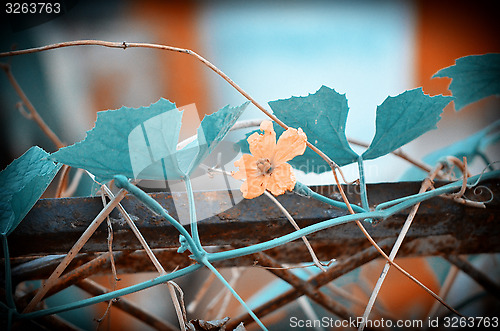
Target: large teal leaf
{"x": 469, "y": 147}
{"x": 402, "y": 118}
{"x": 142, "y": 142}
{"x": 473, "y": 78}
{"x": 105, "y": 150}
{"x": 322, "y": 116}
{"x": 22, "y": 184}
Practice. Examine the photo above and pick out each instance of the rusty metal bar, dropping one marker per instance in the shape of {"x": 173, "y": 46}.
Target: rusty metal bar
{"x": 441, "y": 226}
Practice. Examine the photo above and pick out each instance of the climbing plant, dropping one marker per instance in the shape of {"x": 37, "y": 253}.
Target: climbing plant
{"x": 306, "y": 133}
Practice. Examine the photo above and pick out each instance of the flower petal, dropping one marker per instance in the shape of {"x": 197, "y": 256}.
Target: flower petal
{"x": 291, "y": 143}
{"x": 282, "y": 179}
{"x": 247, "y": 165}
{"x": 263, "y": 145}
{"x": 254, "y": 186}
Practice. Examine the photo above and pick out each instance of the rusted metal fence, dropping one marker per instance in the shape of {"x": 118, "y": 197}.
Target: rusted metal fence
{"x": 442, "y": 227}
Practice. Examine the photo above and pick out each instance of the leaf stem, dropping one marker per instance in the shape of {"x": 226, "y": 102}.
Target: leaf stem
{"x": 192, "y": 213}
{"x": 362, "y": 184}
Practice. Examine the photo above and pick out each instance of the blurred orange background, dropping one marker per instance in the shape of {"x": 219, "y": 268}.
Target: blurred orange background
{"x": 441, "y": 32}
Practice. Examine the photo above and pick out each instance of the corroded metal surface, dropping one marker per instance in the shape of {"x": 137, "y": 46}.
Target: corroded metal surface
{"x": 440, "y": 227}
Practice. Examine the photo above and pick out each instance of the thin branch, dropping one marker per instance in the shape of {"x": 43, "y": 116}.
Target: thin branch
{"x": 390, "y": 260}
{"x": 32, "y": 114}
{"x": 124, "y": 45}
{"x": 74, "y": 250}
{"x": 317, "y": 262}
{"x": 445, "y": 289}
{"x": 221, "y": 295}
{"x": 137, "y": 233}
{"x": 63, "y": 181}
{"x": 179, "y": 310}
{"x": 71, "y": 189}
{"x": 32, "y": 111}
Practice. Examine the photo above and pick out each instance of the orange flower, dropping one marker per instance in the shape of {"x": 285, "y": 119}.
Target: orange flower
{"x": 266, "y": 168}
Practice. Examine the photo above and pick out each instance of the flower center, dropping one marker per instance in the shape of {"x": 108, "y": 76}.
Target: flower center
{"x": 264, "y": 166}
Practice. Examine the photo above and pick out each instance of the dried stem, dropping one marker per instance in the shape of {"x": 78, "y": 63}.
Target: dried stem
{"x": 136, "y": 232}
{"x": 32, "y": 114}
{"x": 425, "y": 185}
{"x": 179, "y": 309}
{"x": 74, "y": 250}
{"x": 317, "y": 262}
{"x": 63, "y": 181}
{"x": 32, "y": 111}
{"x": 445, "y": 289}
{"x": 71, "y": 189}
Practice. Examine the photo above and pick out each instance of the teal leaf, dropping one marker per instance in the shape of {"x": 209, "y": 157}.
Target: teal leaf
{"x": 473, "y": 78}
{"x": 23, "y": 183}
{"x": 469, "y": 147}
{"x": 323, "y": 117}
{"x": 211, "y": 132}
{"x": 142, "y": 143}
{"x": 402, "y": 118}
{"x": 105, "y": 151}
